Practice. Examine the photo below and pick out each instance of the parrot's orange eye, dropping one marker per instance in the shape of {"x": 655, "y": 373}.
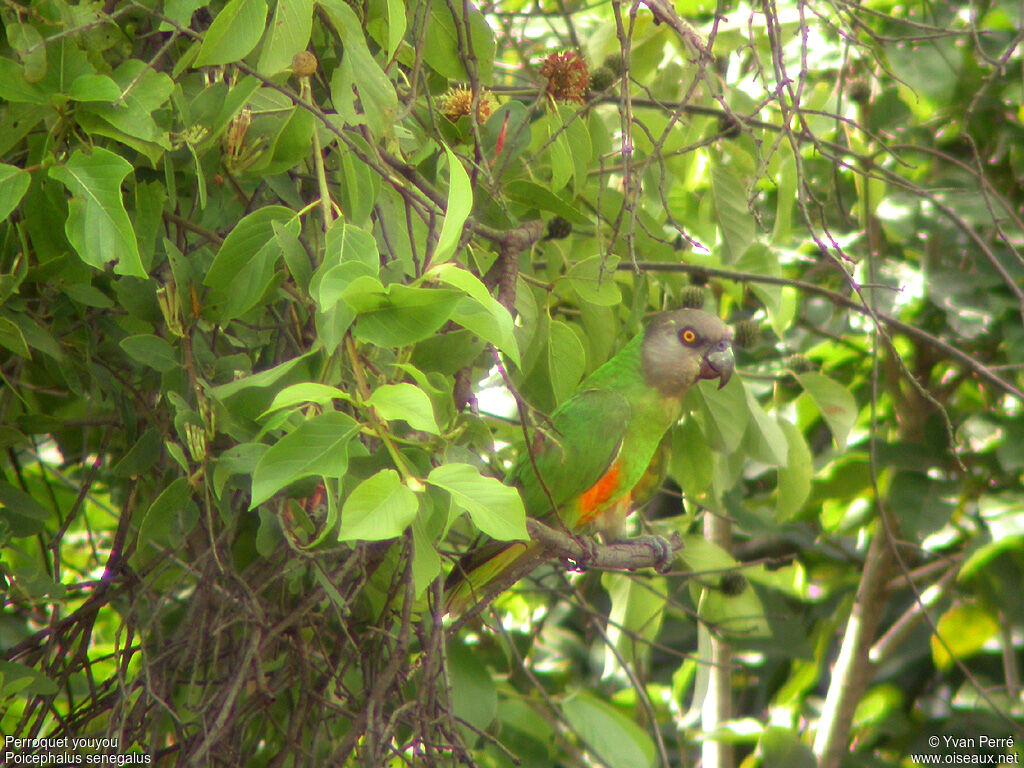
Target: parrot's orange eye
{"x": 688, "y": 336}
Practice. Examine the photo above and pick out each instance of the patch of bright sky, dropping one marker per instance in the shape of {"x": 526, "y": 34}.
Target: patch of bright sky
{"x": 494, "y": 399}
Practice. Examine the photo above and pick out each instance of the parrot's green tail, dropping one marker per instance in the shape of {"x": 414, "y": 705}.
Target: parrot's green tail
{"x": 475, "y": 577}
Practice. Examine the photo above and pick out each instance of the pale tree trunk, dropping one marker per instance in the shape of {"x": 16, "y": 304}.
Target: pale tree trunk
{"x": 851, "y": 674}
{"x": 717, "y": 707}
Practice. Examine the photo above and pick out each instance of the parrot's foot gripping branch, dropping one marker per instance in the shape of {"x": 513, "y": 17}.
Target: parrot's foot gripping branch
{"x": 662, "y": 549}
{"x": 627, "y": 555}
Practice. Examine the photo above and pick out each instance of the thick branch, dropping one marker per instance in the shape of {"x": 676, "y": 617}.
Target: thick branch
{"x": 628, "y": 555}
{"x": 550, "y": 543}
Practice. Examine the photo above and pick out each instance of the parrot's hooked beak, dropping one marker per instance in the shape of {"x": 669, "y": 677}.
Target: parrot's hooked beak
{"x": 718, "y": 363}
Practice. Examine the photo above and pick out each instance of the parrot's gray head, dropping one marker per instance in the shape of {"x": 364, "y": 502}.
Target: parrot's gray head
{"x": 684, "y": 345}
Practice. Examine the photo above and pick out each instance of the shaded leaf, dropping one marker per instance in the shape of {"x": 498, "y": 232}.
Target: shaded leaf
{"x": 735, "y": 223}
{"x": 23, "y": 514}
{"x": 612, "y": 736}
{"x": 151, "y": 350}
{"x": 567, "y": 360}
{"x": 964, "y": 629}
{"x": 14, "y": 183}
{"x": 835, "y": 403}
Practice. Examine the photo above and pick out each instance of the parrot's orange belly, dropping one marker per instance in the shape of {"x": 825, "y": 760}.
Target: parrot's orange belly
{"x": 595, "y": 499}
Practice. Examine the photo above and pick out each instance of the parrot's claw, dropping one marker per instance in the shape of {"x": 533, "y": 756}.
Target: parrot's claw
{"x": 662, "y": 550}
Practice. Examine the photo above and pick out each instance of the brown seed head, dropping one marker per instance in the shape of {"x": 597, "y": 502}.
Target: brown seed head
{"x": 568, "y": 76}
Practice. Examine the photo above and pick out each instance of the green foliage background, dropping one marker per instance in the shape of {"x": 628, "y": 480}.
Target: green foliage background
{"x": 243, "y": 315}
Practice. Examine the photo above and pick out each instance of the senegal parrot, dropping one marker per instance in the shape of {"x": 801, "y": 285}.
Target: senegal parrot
{"x": 604, "y": 451}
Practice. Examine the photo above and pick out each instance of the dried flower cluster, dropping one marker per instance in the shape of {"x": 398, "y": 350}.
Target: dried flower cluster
{"x": 568, "y": 76}
{"x": 458, "y": 101}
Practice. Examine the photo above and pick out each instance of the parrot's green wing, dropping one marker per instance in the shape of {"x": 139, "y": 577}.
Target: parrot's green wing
{"x": 573, "y": 452}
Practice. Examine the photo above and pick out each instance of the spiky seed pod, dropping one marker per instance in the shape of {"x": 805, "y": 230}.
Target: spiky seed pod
{"x": 614, "y": 63}
{"x": 692, "y": 297}
{"x": 558, "y": 228}
{"x": 799, "y": 364}
{"x": 732, "y": 583}
{"x": 699, "y": 277}
{"x": 304, "y": 64}
{"x": 601, "y": 78}
{"x": 747, "y": 332}
{"x": 860, "y": 92}
{"x": 458, "y": 101}
{"x": 728, "y": 127}
{"x": 567, "y": 75}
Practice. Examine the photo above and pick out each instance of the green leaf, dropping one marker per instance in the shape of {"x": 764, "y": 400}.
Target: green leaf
{"x": 245, "y": 263}
{"x": 31, "y": 49}
{"x": 692, "y": 462}
{"x": 460, "y": 203}
{"x": 835, "y": 403}
{"x": 358, "y": 68}
{"x": 234, "y": 33}
{"x": 482, "y": 314}
{"x": 261, "y": 380}
{"x": 306, "y": 392}
{"x": 23, "y": 514}
{"x": 358, "y": 189}
{"x": 151, "y": 350}
{"x": 380, "y": 507}
{"x": 562, "y": 166}
{"x": 142, "y": 90}
{"x": 442, "y": 50}
{"x": 964, "y": 629}
{"x": 396, "y": 25}
{"x": 474, "y": 694}
{"x": 404, "y": 315}
{"x": 14, "y": 183}
{"x": 97, "y": 225}
{"x": 567, "y": 360}
{"x": 94, "y": 88}
{"x": 785, "y": 199}
{"x": 795, "y": 477}
{"x": 13, "y": 339}
{"x": 287, "y": 35}
{"x": 725, "y": 411}
{"x": 319, "y": 446}
{"x": 141, "y": 456}
{"x": 781, "y": 746}
{"x": 532, "y": 195}
{"x": 593, "y": 279}
{"x": 19, "y": 678}
{"x": 170, "y": 518}
{"x": 766, "y": 441}
{"x": 405, "y": 402}
{"x": 426, "y": 563}
{"x": 638, "y": 608}
{"x": 495, "y": 508}
{"x": 612, "y": 736}
{"x": 735, "y": 223}
{"x": 349, "y": 253}
{"x": 16, "y": 89}
{"x": 739, "y": 615}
